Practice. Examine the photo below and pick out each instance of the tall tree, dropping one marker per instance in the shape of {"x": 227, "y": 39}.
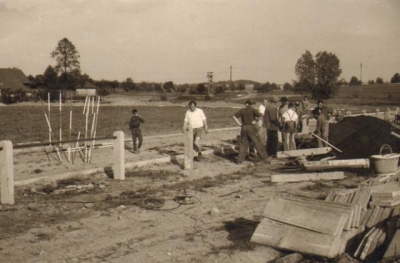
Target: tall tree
{"x": 67, "y": 57}
{"x": 305, "y": 69}
{"x": 327, "y": 69}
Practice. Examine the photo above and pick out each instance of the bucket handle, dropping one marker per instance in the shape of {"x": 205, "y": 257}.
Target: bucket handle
{"x": 386, "y": 147}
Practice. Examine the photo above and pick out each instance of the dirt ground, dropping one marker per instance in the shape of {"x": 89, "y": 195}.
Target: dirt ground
{"x": 160, "y": 213}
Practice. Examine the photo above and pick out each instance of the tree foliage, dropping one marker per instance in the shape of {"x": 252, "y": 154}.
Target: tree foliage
{"x": 379, "y": 80}
{"x": 354, "y": 81}
{"x": 395, "y": 78}
{"x": 319, "y": 76}
{"x": 66, "y": 56}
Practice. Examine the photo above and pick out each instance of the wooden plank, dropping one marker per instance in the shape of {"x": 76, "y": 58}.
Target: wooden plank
{"x": 332, "y": 164}
{"x": 331, "y": 207}
{"x": 386, "y": 203}
{"x": 366, "y": 196}
{"x": 330, "y": 196}
{"x": 385, "y": 215}
{"x": 362, "y": 243}
{"x": 388, "y": 192}
{"x": 303, "y": 152}
{"x": 365, "y": 219}
{"x": 307, "y": 177}
{"x": 394, "y": 246}
{"x": 293, "y": 238}
{"x": 298, "y": 214}
{"x": 375, "y": 243}
{"x": 375, "y": 213}
{"x": 368, "y": 243}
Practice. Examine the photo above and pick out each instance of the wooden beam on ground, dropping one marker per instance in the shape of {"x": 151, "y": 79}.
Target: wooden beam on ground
{"x": 332, "y": 164}
{"x": 293, "y": 238}
{"x": 297, "y": 214}
{"x": 303, "y": 152}
{"x": 307, "y": 177}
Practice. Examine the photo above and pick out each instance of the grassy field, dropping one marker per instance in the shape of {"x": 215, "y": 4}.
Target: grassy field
{"x": 28, "y": 123}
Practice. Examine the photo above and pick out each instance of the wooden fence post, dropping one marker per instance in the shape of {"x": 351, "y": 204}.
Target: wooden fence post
{"x": 119, "y": 156}
{"x": 7, "y": 172}
{"x": 188, "y": 159}
{"x": 364, "y": 112}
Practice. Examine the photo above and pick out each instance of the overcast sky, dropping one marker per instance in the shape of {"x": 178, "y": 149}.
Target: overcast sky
{"x": 182, "y": 40}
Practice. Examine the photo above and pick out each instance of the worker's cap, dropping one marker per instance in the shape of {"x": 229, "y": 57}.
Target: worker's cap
{"x": 297, "y": 103}
{"x": 248, "y": 102}
{"x": 275, "y": 99}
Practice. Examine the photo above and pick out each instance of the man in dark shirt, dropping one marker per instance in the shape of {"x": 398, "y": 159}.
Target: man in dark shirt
{"x": 249, "y": 134}
{"x": 272, "y": 123}
{"x": 323, "y": 114}
{"x": 134, "y": 126}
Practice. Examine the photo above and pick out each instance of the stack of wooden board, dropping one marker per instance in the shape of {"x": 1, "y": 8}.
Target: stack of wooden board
{"x": 387, "y": 195}
{"x": 306, "y": 225}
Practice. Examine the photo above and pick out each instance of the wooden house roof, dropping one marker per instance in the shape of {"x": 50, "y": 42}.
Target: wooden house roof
{"x": 13, "y": 79}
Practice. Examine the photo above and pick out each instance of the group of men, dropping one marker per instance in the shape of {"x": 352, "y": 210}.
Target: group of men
{"x": 260, "y": 129}
{"x": 277, "y": 120}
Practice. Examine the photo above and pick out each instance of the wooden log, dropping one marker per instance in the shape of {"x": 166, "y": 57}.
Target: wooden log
{"x": 332, "y": 164}
{"x": 307, "y": 177}
{"x": 293, "y": 238}
{"x": 303, "y": 152}
{"x": 297, "y": 214}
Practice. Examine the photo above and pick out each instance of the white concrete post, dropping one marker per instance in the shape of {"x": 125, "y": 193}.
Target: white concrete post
{"x": 188, "y": 159}
{"x": 377, "y": 113}
{"x": 119, "y": 156}
{"x": 7, "y": 172}
{"x": 386, "y": 115}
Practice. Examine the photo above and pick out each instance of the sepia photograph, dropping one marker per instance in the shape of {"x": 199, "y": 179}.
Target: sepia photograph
{"x": 154, "y": 131}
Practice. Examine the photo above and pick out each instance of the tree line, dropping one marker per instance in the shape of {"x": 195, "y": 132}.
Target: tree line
{"x": 316, "y": 75}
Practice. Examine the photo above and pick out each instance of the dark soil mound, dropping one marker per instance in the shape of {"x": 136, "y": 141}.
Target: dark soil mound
{"x": 362, "y": 136}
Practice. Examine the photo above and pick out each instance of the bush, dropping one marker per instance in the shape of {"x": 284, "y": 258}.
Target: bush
{"x": 163, "y": 97}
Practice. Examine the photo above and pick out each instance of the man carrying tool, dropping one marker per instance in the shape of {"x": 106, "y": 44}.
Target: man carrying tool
{"x": 322, "y": 114}
{"x": 197, "y": 119}
{"x": 249, "y": 134}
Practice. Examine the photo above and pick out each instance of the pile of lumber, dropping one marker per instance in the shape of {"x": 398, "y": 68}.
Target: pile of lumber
{"x": 307, "y": 225}
{"x": 387, "y": 195}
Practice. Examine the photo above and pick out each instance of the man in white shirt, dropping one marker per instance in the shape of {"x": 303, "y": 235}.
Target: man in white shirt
{"x": 290, "y": 119}
{"x": 196, "y": 118}
{"x": 261, "y": 127}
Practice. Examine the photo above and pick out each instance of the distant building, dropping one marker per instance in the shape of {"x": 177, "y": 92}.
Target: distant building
{"x": 14, "y": 85}
{"x": 86, "y": 90}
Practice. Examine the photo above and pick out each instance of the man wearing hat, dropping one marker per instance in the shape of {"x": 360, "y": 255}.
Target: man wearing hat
{"x": 272, "y": 123}
{"x": 249, "y": 134}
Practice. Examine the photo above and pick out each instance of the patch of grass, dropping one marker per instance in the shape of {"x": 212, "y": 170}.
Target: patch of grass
{"x": 72, "y": 181}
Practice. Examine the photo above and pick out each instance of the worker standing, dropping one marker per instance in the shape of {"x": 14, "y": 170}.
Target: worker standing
{"x": 196, "y": 118}
{"x": 271, "y": 122}
{"x": 322, "y": 114}
{"x": 249, "y": 134}
{"x": 290, "y": 119}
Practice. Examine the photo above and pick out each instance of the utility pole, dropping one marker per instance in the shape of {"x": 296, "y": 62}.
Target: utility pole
{"x": 230, "y": 80}
{"x": 210, "y": 79}
{"x": 361, "y": 78}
